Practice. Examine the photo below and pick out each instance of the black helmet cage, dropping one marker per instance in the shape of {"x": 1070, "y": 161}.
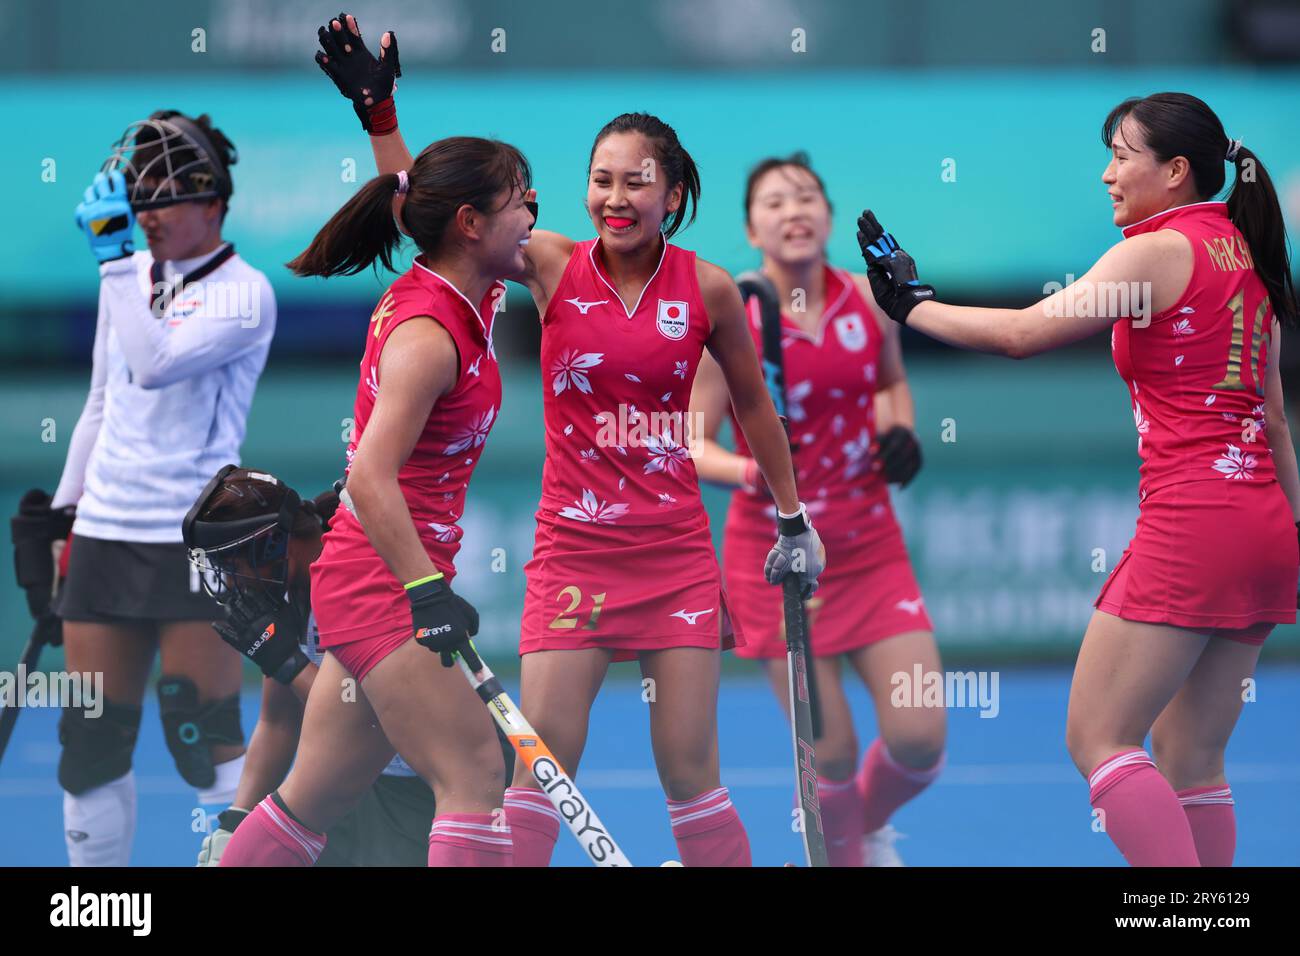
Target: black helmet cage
{"x": 175, "y": 153}
{"x": 262, "y": 541}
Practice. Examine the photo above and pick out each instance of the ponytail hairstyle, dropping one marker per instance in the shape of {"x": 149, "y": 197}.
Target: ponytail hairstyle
{"x": 671, "y": 156}
{"x": 323, "y": 506}
{"x": 1178, "y": 124}
{"x": 448, "y": 174}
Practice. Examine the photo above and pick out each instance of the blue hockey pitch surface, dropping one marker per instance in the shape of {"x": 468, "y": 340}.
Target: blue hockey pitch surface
{"x": 1008, "y": 797}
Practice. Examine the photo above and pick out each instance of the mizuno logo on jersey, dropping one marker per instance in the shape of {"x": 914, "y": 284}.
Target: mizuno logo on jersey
{"x": 911, "y": 607}
{"x": 584, "y": 306}
{"x": 689, "y": 616}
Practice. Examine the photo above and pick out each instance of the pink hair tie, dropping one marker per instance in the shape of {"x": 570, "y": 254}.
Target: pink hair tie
{"x": 403, "y": 184}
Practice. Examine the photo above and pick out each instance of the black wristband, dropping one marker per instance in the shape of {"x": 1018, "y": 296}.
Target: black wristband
{"x": 426, "y": 591}
{"x": 290, "y": 667}
{"x": 791, "y": 527}
{"x": 230, "y": 818}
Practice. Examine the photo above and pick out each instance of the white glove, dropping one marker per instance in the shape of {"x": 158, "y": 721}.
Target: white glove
{"x": 798, "y": 550}
{"x": 214, "y": 844}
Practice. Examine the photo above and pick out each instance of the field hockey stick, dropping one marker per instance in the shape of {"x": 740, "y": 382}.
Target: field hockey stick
{"x": 555, "y": 782}
{"x": 805, "y": 715}
{"x": 801, "y": 721}
{"x": 27, "y": 663}
{"x": 759, "y": 286}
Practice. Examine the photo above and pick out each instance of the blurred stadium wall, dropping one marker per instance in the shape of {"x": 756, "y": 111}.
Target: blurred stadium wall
{"x": 971, "y": 129}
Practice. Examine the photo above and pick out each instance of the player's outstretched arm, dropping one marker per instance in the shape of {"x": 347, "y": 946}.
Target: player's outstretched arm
{"x": 1155, "y": 266}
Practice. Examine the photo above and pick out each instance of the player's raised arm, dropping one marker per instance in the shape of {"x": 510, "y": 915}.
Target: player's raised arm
{"x": 369, "y": 81}
{"x": 1157, "y": 264}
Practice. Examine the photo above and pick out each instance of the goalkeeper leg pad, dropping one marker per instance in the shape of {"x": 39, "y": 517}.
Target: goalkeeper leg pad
{"x": 190, "y": 729}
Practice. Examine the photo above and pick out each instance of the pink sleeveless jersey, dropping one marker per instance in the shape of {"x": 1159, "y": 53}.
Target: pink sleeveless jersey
{"x": 617, "y": 388}
{"x": 353, "y": 590}
{"x": 830, "y": 378}
{"x": 868, "y": 592}
{"x": 617, "y": 385}
{"x": 1196, "y": 371}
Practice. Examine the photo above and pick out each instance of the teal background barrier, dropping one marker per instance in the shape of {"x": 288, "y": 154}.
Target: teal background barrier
{"x": 1002, "y": 523}
{"x": 253, "y": 36}
{"x": 972, "y": 130}
{"x": 1027, "y": 205}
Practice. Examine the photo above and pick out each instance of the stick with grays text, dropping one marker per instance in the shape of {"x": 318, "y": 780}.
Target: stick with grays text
{"x": 555, "y": 782}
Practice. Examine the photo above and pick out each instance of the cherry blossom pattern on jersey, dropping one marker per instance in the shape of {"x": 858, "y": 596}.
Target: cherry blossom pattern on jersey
{"x": 1196, "y": 371}
{"x": 474, "y": 434}
{"x": 616, "y": 403}
{"x": 831, "y": 373}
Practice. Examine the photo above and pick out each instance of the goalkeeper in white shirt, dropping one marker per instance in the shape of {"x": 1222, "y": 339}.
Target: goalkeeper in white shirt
{"x": 181, "y": 337}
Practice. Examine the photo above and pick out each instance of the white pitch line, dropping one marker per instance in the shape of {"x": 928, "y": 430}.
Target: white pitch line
{"x": 745, "y": 778}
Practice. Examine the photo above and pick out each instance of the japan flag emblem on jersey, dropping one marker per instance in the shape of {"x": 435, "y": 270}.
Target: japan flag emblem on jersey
{"x": 852, "y": 333}
{"x": 673, "y": 320}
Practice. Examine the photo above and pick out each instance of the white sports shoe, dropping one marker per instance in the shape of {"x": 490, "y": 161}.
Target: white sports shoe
{"x": 878, "y": 847}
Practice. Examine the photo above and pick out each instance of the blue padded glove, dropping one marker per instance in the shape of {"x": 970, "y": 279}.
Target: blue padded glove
{"x": 106, "y": 216}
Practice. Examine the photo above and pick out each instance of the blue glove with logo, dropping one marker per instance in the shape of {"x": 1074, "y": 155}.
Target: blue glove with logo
{"x": 106, "y": 216}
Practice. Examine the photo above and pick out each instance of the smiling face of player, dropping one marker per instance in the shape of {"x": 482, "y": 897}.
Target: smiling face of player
{"x": 1139, "y": 184}
{"x": 182, "y": 230}
{"x": 789, "y": 217}
{"x": 627, "y": 198}
{"x": 503, "y": 233}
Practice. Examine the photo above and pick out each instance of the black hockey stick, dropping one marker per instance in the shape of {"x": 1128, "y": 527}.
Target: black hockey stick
{"x": 34, "y": 528}
{"x": 27, "y": 664}
{"x": 805, "y": 716}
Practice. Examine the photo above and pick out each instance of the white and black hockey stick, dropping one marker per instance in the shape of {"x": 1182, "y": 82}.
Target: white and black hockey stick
{"x": 805, "y": 716}
{"x": 555, "y": 782}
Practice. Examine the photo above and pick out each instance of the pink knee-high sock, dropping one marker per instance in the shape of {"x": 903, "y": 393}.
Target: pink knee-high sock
{"x": 534, "y": 824}
{"x": 1213, "y": 821}
{"x": 841, "y": 806}
{"x": 469, "y": 839}
{"x": 1142, "y": 815}
{"x": 885, "y": 785}
{"x": 708, "y": 830}
{"x": 270, "y": 836}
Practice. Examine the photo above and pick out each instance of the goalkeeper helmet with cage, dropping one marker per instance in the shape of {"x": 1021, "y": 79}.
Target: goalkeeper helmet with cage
{"x": 238, "y": 532}
{"x": 170, "y": 158}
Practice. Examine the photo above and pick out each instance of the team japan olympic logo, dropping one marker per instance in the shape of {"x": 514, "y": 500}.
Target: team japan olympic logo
{"x": 673, "y": 319}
